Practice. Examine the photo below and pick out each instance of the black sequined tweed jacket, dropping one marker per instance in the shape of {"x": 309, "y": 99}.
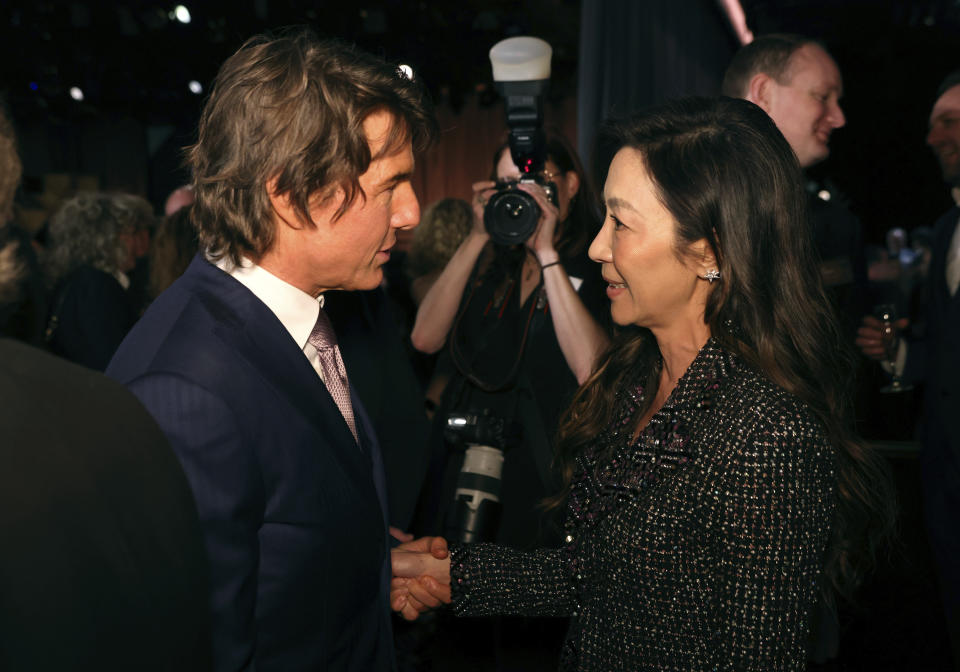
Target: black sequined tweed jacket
{"x": 697, "y": 547}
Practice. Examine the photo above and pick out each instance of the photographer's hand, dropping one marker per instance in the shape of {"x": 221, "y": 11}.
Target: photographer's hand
{"x": 541, "y": 241}
{"x": 580, "y": 337}
{"x": 482, "y": 191}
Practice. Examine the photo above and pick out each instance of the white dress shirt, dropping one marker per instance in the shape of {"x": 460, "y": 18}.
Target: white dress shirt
{"x": 953, "y": 252}
{"x": 296, "y": 310}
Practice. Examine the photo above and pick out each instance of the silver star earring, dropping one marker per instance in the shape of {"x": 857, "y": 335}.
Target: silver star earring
{"x": 711, "y": 275}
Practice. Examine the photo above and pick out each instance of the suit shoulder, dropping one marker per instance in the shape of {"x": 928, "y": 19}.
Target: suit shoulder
{"x": 47, "y": 386}
{"x": 183, "y": 328}
{"x": 947, "y": 219}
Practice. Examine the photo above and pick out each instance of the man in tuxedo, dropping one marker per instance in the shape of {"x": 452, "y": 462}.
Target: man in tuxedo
{"x": 935, "y": 361}
{"x": 302, "y": 176}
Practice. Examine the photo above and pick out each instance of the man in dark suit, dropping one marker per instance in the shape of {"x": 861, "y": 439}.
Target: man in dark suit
{"x": 102, "y": 565}
{"x": 795, "y": 81}
{"x": 302, "y": 175}
{"x": 935, "y": 361}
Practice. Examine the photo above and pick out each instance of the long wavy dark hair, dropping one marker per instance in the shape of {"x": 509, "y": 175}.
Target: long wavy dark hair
{"x": 728, "y": 176}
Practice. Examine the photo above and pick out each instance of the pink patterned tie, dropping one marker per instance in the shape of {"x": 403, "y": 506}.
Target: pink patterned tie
{"x": 334, "y": 372}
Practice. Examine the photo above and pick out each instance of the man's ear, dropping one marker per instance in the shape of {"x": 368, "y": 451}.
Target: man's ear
{"x": 760, "y": 91}
{"x": 282, "y": 206}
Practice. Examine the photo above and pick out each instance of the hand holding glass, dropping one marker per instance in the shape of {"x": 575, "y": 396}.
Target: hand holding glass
{"x": 890, "y": 337}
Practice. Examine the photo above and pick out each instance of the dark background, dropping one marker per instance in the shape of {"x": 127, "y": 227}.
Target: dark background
{"x": 133, "y": 63}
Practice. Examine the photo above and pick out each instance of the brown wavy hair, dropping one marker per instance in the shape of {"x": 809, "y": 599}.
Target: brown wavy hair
{"x": 291, "y": 108}
{"x": 729, "y": 177}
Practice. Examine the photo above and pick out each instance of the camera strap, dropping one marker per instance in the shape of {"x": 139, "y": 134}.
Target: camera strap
{"x": 480, "y": 339}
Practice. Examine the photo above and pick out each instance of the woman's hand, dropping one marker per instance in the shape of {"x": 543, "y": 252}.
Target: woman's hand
{"x": 482, "y": 191}
{"x": 541, "y": 240}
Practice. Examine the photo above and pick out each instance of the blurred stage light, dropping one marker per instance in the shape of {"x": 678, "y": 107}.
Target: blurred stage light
{"x": 195, "y": 87}
{"x": 34, "y": 86}
{"x": 180, "y": 13}
{"x": 406, "y": 70}
{"x": 824, "y": 195}
{"x": 76, "y": 93}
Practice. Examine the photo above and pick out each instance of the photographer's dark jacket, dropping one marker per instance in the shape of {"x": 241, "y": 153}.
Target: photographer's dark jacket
{"x": 535, "y": 382}
{"x": 697, "y": 547}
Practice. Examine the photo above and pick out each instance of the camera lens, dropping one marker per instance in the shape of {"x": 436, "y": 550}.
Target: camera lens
{"x": 511, "y": 216}
{"x": 475, "y": 515}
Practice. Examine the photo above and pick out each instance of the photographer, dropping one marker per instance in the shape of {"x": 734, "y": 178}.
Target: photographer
{"x": 523, "y": 326}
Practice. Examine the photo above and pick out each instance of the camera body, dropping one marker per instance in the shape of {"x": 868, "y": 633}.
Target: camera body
{"x": 511, "y": 214}
{"x": 521, "y": 73}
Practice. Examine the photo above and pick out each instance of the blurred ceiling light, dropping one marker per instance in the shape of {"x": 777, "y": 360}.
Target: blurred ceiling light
{"x": 195, "y": 87}
{"x": 76, "y": 93}
{"x": 181, "y": 14}
{"x": 824, "y": 195}
{"x": 406, "y": 70}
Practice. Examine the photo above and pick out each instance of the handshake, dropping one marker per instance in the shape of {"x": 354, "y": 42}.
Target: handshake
{"x": 421, "y": 575}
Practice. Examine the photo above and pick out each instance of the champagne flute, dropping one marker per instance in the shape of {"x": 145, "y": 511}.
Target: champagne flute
{"x": 890, "y": 337}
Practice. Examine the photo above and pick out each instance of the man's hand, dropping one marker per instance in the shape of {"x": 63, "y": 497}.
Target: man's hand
{"x": 870, "y": 336}
{"x": 421, "y": 570}
{"x": 400, "y": 535}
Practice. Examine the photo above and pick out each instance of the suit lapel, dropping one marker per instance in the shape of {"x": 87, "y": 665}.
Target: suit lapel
{"x": 259, "y": 338}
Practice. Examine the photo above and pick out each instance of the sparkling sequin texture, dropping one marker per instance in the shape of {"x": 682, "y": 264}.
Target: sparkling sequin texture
{"x": 697, "y": 547}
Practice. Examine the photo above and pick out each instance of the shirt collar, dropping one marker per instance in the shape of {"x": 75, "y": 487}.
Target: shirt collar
{"x": 122, "y": 278}
{"x": 296, "y": 310}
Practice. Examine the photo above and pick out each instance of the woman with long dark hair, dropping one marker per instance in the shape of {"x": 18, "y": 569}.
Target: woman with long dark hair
{"x": 713, "y": 480}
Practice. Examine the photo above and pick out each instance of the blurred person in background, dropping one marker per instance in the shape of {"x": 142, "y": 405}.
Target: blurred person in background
{"x": 173, "y": 248}
{"x": 796, "y": 81}
{"x": 23, "y": 300}
{"x": 442, "y": 228}
{"x": 934, "y": 360}
{"x": 92, "y": 243}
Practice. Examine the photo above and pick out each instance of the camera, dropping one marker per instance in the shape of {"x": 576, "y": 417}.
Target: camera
{"x": 475, "y": 515}
{"x": 521, "y": 72}
{"x": 511, "y": 214}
